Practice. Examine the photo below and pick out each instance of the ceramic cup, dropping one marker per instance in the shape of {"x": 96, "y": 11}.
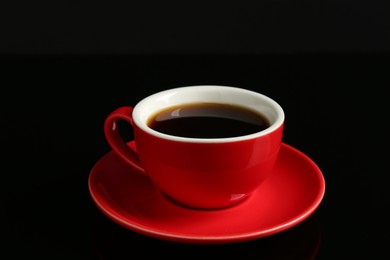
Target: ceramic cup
{"x": 201, "y": 173}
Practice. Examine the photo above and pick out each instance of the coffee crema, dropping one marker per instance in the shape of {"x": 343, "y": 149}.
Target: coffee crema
{"x": 207, "y": 120}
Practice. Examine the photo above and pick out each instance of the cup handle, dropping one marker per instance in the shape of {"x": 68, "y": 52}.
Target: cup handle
{"x": 116, "y": 141}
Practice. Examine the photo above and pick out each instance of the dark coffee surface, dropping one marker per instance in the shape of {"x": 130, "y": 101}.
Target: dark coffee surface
{"x": 208, "y": 120}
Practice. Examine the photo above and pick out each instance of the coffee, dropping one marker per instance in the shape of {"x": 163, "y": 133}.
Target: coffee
{"x": 207, "y": 120}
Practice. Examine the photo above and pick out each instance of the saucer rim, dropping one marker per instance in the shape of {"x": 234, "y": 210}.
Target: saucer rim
{"x": 140, "y": 228}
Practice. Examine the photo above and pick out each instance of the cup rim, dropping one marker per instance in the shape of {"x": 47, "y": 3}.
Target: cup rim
{"x": 278, "y": 122}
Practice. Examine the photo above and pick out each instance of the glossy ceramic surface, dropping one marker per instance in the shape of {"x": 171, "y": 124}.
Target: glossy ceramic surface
{"x": 288, "y": 197}
{"x": 206, "y": 173}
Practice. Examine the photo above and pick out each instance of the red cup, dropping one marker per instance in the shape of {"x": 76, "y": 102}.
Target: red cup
{"x": 202, "y": 173}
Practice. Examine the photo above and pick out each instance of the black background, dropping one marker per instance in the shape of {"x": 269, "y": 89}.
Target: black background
{"x": 133, "y": 27}
{"x": 66, "y": 65}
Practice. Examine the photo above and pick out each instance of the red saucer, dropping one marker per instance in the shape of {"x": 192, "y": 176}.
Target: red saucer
{"x": 287, "y": 198}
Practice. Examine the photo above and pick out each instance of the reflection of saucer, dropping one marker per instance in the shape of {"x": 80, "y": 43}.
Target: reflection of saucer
{"x": 287, "y": 198}
{"x": 303, "y": 241}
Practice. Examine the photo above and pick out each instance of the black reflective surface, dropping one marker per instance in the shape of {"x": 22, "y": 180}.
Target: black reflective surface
{"x": 52, "y": 111}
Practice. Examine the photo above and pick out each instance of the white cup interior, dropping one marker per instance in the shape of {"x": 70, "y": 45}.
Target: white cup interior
{"x": 208, "y": 94}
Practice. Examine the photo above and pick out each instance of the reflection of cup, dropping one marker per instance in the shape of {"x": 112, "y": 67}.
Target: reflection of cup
{"x": 300, "y": 242}
{"x": 202, "y": 172}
